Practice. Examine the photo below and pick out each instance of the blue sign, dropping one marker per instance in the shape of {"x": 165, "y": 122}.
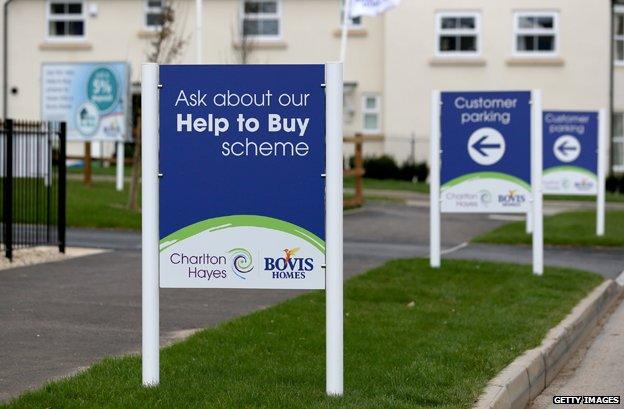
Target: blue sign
{"x": 570, "y": 153}
{"x": 486, "y": 152}
{"x": 242, "y": 197}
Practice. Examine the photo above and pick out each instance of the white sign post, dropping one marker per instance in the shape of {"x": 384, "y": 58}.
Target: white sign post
{"x": 537, "y": 217}
{"x": 602, "y": 171}
{"x": 434, "y": 184}
{"x": 330, "y": 266}
{"x": 333, "y": 223}
{"x": 575, "y": 156}
{"x": 488, "y": 167}
{"x": 149, "y": 221}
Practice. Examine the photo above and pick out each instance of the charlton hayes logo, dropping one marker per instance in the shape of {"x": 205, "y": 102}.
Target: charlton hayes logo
{"x": 511, "y": 199}
{"x": 289, "y": 267}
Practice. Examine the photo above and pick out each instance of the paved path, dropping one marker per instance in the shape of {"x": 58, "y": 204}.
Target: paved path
{"x": 598, "y": 370}
{"x": 59, "y": 317}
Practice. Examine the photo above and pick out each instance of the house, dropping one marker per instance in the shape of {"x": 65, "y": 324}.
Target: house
{"x": 571, "y": 49}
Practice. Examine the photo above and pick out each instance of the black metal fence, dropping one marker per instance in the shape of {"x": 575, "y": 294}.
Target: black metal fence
{"x": 32, "y": 184}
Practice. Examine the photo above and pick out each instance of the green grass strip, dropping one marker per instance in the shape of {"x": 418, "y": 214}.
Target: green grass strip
{"x": 414, "y": 338}
{"x": 567, "y": 168}
{"x": 227, "y": 222}
{"x": 485, "y": 175}
{"x": 389, "y": 184}
{"x": 568, "y": 229}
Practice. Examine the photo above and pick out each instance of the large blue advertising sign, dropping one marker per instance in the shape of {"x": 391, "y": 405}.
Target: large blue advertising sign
{"x": 570, "y": 153}
{"x": 93, "y": 98}
{"x": 242, "y": 158}
{"x": 486, "y": 152}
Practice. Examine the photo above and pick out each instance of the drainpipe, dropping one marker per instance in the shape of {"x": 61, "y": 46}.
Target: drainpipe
{"x": 5, "y": 56}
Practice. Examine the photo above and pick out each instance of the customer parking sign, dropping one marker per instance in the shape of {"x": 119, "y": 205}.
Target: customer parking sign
{"x": 570, "y": 153}
{"x": 485, "y": 152}
{"x": 242, "y": 158}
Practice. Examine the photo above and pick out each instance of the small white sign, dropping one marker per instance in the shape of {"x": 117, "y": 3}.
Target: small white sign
{"x": 486, "y": 146}
{"x": 567, "y": 148}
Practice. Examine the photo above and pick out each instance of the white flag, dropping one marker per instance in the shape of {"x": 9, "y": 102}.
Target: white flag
{"x": 371, "y": 7}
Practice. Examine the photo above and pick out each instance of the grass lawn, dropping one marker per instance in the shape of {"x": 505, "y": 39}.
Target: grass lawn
{"x": 414, "y": 337}
{"x": 570, "y": 228}
{"x": 389, "y": 184}
{"x": 99, "y": 205}
{"x": 609, "y": 197}
{"x": 421, "y": 187}
{"x": 97, "y": 169}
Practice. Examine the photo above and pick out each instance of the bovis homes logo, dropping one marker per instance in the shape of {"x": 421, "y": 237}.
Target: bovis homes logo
{"x": 289, "y": 267}
{"x": 584, "y": 185}
{"x": 512, "y": 199}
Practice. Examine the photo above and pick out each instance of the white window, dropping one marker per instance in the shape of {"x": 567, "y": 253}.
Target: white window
{"x": 353, "y": 22}
{"x": 618, "y": 39}
{"x": 457, "y": 34}
{"x": 261, "y": 19}
{"x": 371, "y": 113}
{"x": 618, "y": 142}
{"x": 65, "y": 19}
{"x": 535, "y": 33}
{"x": 154, "y": 13}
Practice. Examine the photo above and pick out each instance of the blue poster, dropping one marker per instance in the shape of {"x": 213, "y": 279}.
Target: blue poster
{"x": 93, "y": 98}
{"x": 242, "y": 193}
{"x": 486, "y": 152}
{"x": 570, "y": 153}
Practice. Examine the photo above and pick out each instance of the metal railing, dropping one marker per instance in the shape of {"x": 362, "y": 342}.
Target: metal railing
{"x": 32, "y": 184}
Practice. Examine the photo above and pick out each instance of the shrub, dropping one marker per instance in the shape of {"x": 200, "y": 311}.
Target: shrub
{"x": 408, "y": 171}
{"x": 422, "y": 172}
{"x": 612, "y": 183}
{"x": 385, "y": 167}
{"x": 382, "y": 167}
{"x": 621, "y": 184}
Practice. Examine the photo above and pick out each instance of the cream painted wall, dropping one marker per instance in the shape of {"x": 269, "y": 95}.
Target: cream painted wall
{"x": 310, "y": 34}
{"x": 578, "y": 80}
{"x": 392, "y": 55}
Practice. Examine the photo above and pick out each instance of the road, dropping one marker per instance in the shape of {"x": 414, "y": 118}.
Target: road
{"x": 58, "y": 318}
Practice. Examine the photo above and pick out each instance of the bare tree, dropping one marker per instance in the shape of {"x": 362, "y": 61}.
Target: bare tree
{"x": 167, "y": 45}
{"x": 243, "y": 42}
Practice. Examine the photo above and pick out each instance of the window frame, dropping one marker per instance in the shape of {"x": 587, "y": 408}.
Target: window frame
{"x": 439, "y": 32}
{"x": 618, "y": 139}
{"x": 517, "y": 31}
{"x": 260, "y": 16}
{"x": 618, "y": 12}
{"x": 151, "y": 10}
{"x": 49, "y": 17}
{"x": 376, "y": 111}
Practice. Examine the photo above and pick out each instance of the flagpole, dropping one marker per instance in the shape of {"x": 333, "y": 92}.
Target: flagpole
{"x": 345, "y": 27}
{"x": 200, "y": 30}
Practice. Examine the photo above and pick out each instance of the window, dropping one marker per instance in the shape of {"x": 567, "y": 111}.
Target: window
{"x": 261, "y": 19}
{"x": 535, "y": 33}
{"x": 618, "y": 142}
{"x": 65, "y": 19}
{"x": 153, "y": 13}
{"x": 618, "y": 39}
{"x": 457, "y": 34}
{"x": 371, "y": 113}
{"x": 354, "y": 22}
